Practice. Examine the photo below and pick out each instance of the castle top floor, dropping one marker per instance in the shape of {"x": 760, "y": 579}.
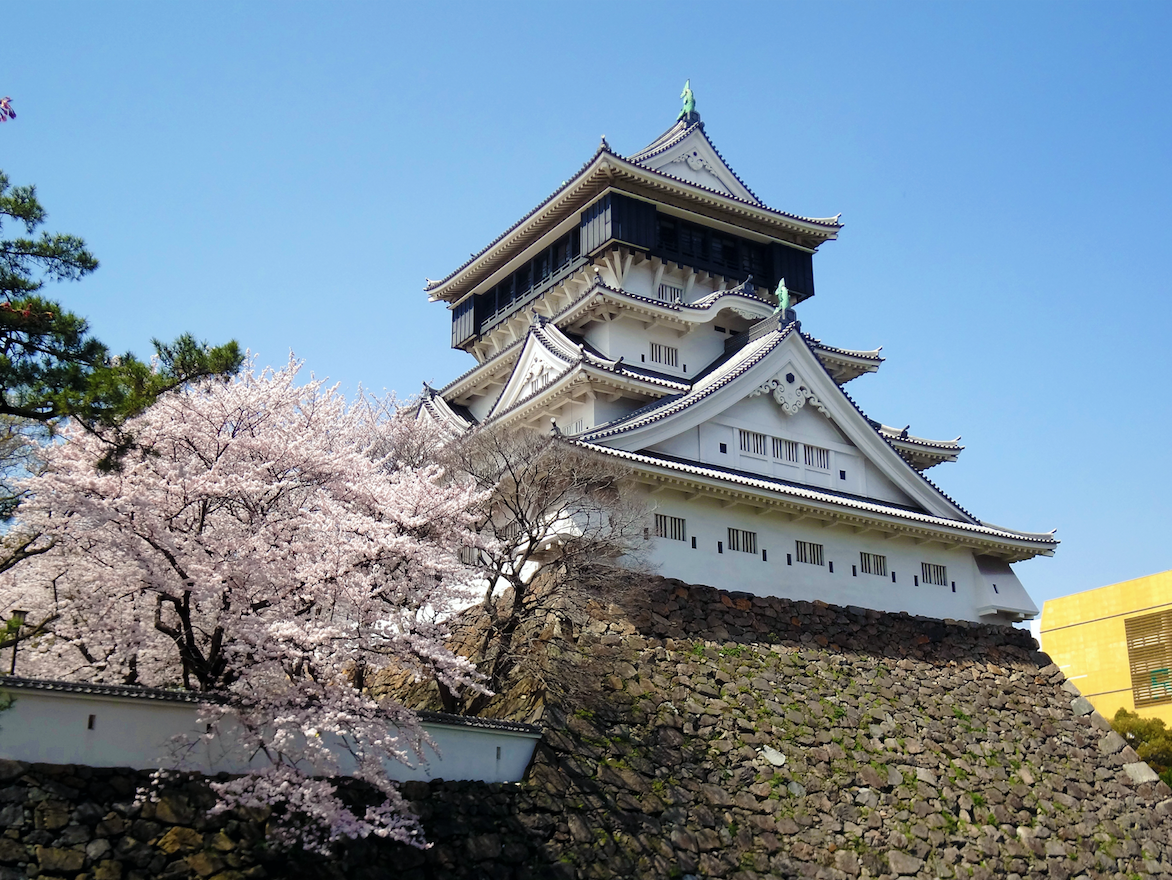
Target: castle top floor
{"x": 676, "y": 205}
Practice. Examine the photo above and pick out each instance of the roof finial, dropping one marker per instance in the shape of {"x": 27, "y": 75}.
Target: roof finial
{"x": 783, "y": 310}
{"x": 688, "y": 114}
{"x": 603, "y": 145}
{"x": 782, "y": 297}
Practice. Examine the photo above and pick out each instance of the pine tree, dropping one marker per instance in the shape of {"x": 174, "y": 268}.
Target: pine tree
{"x": 51, "y": 366}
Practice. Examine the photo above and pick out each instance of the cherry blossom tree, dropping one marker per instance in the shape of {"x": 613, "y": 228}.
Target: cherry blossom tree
{"x": 270, "y": 549}
{"x": 552, "y": 507}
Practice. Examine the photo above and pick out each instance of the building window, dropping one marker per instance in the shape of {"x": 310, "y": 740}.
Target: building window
{"x": 817, "y": 457}
{"x": 724, "y": 447}
{"x": 739, "y": 539}
{"x": 669, "y": 293}
{"x": 469, "y": 555}
{"x": 934, "y": 574}
{"x": 785, "y": 450}
{"x": 1149, "y": 651}
{"x": 667, "y": 355}
{"x": 873, "y": 563}
{"x": 752, "y": 442}
{"x": 809, "y": 553}
{"x": 672, "y": 527}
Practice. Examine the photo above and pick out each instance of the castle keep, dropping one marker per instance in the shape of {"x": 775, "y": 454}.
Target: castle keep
{"x": 645, "y": 310}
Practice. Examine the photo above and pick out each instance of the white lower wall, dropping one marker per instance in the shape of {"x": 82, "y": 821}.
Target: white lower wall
{"x": 968, "y": 594}
{"x": 54, "y": 727}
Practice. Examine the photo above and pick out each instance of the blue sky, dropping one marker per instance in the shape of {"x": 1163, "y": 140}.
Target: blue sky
{"x": 288, "y": 174}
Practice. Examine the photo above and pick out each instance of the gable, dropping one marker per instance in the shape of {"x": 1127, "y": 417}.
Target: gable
{"x": 804, "y": 447}
{"x": 536, "y": 368}
{"x": 779, "y": 370}
{"x": 695, "y": 160}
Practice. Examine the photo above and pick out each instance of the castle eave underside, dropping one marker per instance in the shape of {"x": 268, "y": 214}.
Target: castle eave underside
{"x": 795, "y": 503}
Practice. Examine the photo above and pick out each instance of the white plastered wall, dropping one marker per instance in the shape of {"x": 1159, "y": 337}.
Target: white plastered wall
{"x": 849, "y": 471}
{"x": 840, "y": 581}
{"x": 54, "y": 727}
{"x": 630, "y": 339}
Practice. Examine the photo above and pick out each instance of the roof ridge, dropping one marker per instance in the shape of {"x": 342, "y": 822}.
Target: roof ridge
{"x": 109, "y": 690}
{"x": 602, "y": 148}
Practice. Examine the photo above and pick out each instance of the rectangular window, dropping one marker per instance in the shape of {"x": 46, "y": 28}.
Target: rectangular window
{"x": 809, "y": 553}
{"x": 469, "y": 555}
{"x": 1149, "y": 652}
{"x": 739, "y": 539}
{"x": 934, "y": 574}
{"x": 752, "y": 442}
{"x": 785, "y": 450}
{"x": 873, "y": 563}
{"x": 672, "y": 527}
{"x": 669, "y": 293}
{"x": 817, "y": 457}
{"x": 665, "y": 354}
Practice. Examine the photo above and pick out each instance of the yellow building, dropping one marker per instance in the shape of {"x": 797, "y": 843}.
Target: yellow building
{"x": 1115, "y": 644}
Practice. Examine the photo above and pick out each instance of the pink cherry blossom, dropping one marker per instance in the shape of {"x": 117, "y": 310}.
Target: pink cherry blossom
{"x": 274, "y": 550}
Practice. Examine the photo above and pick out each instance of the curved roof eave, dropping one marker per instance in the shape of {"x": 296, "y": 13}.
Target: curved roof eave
{"x": 1045, "y": 542}
{"x": 594, "y": 176}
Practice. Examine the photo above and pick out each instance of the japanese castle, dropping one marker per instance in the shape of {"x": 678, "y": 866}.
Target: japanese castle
{"x": 645, "y": 310}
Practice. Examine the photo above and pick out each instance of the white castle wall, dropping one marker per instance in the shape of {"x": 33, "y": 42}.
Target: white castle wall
{"x": 848, "y": 472}
{"x": 768, "y": 573}
{"x": 56, "y": 727}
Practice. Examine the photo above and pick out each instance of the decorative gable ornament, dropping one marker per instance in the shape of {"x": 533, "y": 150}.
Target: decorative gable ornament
{"x": 695, "y": 161}
{"x": 789, "y": 392}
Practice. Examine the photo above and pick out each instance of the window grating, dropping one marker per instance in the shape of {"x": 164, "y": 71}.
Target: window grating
{"x": 817, "y": 457}
{"x": 469, "y": 555}
{"x": 739, "y": 539}
{"x": 752, "y": 442}
{"x": 1149, "y": 650}
{"x": 934, "y": 574}
{"x": 672, "y": 527}
{"x": 809, "y": 553}
{"x": 669, "y": 293}
{"x": 786, "y": 450}
{"x": 665, "y": 354}
{"x": 873, "y": 563}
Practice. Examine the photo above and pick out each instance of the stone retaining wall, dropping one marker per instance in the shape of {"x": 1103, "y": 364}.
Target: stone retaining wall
{"x": 710, "y": 735}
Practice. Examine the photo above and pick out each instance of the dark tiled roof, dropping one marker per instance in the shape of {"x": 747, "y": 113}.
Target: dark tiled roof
{"x": 484, "y": 723}
{"x": 177, "y": 696}
{"x": 105, "y": 690}
{"x": 848, "y": 352}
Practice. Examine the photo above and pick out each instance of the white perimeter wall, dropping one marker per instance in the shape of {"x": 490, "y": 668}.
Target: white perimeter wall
{"x": 54, "y": 727}
{"x": 767, "y": 572}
